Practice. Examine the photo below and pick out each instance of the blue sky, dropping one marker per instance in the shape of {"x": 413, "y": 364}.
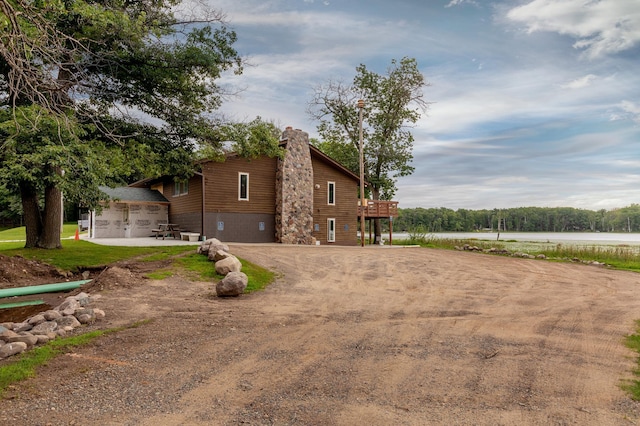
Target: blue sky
{"x": 535, "y": 102}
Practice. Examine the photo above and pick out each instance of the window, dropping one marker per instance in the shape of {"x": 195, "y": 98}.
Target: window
{"x": 331, "y": 230}
{"x": 180, "y": 188}
{"x": 331, "y": 193}
{"x": 243, "y": 186}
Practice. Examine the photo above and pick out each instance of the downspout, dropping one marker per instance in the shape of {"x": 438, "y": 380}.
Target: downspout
{"x": 202, "y": 234}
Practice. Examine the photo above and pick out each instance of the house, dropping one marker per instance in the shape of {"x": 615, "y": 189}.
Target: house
{"x": 304, "y": 198}
{"x": 128, "y": 213}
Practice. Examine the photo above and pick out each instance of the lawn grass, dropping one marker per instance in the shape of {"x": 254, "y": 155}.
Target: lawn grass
{"x": 632, "y": 387}
{"x": 19, "y": 233}
{"x": 26, "y": 363}
{"x": 199, "y": 267}
{"x": 81, "y": 254}
{"x": 617, "y": 257}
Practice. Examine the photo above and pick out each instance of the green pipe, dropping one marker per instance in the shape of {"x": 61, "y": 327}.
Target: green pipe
{"x": 20, "y": 304}
{"x": 37, "y": 289}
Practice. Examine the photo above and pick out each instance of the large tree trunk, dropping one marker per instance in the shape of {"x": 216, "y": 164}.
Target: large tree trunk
{"x": 52, "y": 221}
{"x": 31, "y": 212}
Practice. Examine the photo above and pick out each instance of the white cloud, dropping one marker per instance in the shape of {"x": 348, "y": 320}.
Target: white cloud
{"x": 601, "y": 27}
{"x": 631, "y": 109}
{"x": 580, "y": 83}
{"x": 459, "y": 2}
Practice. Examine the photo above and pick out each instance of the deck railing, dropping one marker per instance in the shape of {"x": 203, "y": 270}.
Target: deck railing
{"x": 379, "y": 209}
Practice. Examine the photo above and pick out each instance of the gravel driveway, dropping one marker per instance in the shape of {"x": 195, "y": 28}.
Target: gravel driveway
{"x": 346, "y": 336}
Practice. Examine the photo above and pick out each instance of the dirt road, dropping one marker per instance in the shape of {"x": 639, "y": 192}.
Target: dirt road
{"x": 351, "y": 336}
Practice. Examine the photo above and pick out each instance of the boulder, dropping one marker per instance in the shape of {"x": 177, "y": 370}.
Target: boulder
{"x": 44, "y": 328}
{"x": 85, "y": 315}
{"x": 12, "y": 349}
{"x": 22, "y": 326}
{"x": 42, "y": 339}
{"x": 36, "y": 319}
{"x": 227, "y": 265}
{"x": 83, "y": 298}
{"x": 6, "y": 334}
{"x": 212, "y": 244}
{"x": 69, "y": 306}
{"x": 27, "y": 338}
{"x": 51, "y": 315}
{"x": 217, "y": 255}
{"x": 68, "y": 321}
{"x": 7, "y": 325}
{"x": 232, "y": 285}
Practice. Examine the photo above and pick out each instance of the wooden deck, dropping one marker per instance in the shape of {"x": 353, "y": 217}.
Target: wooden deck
{"x": 377, "y": 209}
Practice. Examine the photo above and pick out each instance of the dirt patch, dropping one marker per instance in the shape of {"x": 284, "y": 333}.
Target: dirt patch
{"x": 354, "y": 336}
{"x": 19, "y": 272}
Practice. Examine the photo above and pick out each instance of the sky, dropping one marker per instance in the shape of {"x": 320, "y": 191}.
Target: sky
{"x": 534, "y": 102}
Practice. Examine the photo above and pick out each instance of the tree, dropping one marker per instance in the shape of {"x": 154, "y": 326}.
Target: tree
{"x": 393, "y": 103}
{"x": 247, "y": 139}
{"x": 91, "y": 91}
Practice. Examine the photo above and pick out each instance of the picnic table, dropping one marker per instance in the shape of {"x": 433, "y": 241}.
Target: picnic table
{"x": 167, "y": 230}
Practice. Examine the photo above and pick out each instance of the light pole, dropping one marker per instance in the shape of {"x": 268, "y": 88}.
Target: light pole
{"x": 362, "y": 200}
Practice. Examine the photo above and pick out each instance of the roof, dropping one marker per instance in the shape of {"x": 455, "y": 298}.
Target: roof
{"x": 141, "y": 195}
{"x": 315, "y": 152}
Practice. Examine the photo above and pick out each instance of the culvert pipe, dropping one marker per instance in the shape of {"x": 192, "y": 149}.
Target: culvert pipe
{"x": 44, "y": 288}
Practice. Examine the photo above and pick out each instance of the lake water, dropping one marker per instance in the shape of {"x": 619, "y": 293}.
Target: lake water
{"x": 604, "y": 238}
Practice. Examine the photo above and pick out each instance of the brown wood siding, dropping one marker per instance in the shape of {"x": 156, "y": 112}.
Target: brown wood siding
{"x": 345, "y": 210}
{"x": 185, "y": 203}
{"x": 222, "y": 185}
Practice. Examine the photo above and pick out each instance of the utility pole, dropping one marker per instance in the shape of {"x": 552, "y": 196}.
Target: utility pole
{"x": 362, "y": 200}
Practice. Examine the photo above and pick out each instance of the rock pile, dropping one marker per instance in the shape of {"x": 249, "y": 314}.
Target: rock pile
{"x": 234, "y": 282}
{"x": 16, "y": 337}
{"x": 494, "y": 250}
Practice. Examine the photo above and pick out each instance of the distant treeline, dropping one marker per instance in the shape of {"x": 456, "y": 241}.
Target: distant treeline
{"x": 521, "y": 219}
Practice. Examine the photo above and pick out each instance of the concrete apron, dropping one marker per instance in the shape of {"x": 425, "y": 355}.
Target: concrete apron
{"x": 140, "y": 242}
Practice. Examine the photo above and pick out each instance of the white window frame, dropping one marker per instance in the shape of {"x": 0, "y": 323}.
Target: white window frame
{"x": 240, "y": 175}
{"x": 331, "y": 230}
{"x": 331, "y": 193}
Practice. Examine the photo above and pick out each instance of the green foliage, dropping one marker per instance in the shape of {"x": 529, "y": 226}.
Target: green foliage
{"x": 521, "y": 219}
{"x": 392, "y": 104}
{"x": 247, "y": 139}
{"x": 87, "y": 80}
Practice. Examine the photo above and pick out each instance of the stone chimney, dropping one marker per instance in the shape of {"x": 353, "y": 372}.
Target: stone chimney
{"x": 294, "y": 190}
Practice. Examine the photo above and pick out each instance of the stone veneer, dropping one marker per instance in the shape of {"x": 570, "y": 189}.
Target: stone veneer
{"x": 294, "y": 190}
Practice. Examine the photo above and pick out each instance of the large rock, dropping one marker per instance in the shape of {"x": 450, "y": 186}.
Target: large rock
{"x": 52, "y": 315}
{"x": 227, "y": 265}
{"x": 36, "y": 319}
{"x": 22, "y": 326}
{"x": 12, "y": 348}
{"x": 27, "y": 338}
{"x": 6, "y": 334}
{"x": 85, "y": 315}
{"x": 217, "y": 255}
{"x": 44, "y": 327}
{"x": 232, "y": 285}
{"x": 212, "y": 244}
{"x": 68, "y": 321}
{"x": 69, "y": 306}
